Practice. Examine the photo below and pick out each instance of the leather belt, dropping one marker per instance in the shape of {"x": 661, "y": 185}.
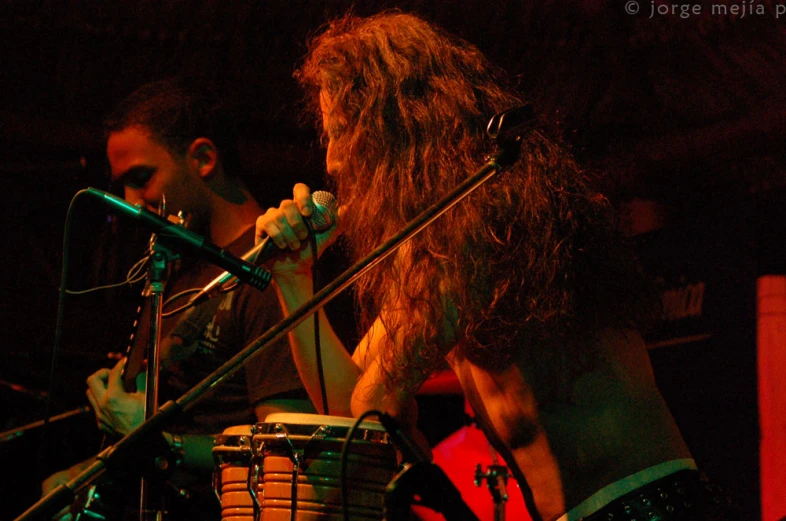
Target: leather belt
{"x": 684, "y": 496}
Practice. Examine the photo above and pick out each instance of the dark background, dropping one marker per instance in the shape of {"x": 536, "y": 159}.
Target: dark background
{"x": 686, "y": 114}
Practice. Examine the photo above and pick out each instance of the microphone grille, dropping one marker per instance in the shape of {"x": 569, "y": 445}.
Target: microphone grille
{"x": 325, "y": 210}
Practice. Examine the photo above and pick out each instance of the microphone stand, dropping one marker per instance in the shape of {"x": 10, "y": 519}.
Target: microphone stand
{"x": 421, "y": 478}
{"x": 507, "y": 128}
{"x": 158, "y": 271}
{"x": 434, "y": 488}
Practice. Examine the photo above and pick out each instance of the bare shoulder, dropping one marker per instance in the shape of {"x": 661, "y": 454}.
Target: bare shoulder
{"x": 626, "y": 353}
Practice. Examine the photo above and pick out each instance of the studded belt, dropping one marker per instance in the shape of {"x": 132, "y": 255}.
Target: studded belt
{"x": 683, "y": 496}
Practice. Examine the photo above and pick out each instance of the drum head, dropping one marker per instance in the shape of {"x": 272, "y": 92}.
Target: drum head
{"x": 238, "y": 430}
{"x": 320, "y": 419}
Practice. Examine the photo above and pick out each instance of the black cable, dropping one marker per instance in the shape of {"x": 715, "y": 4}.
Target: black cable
{"x": 312, "y": 239}
{"x": 345, "y": 457}
{"x": 58, "y": 331}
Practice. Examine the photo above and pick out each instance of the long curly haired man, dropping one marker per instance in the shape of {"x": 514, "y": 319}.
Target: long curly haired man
{"x": 525, "y": 289}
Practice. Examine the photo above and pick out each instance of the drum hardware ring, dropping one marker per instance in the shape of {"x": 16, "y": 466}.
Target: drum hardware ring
{"x": 253, "y": 484}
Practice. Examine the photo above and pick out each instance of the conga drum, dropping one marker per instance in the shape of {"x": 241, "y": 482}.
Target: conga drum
{"x": 233, "y": 480}
{"x": 301, "y": 467}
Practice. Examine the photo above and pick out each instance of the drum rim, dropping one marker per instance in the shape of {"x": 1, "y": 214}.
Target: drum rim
{"x": 319, "y": 420}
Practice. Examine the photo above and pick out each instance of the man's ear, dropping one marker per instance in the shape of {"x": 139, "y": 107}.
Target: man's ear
{"x": 203, "y": 157}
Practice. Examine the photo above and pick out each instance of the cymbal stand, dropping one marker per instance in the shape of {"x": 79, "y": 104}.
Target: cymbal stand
{"x": 496, "y": 477}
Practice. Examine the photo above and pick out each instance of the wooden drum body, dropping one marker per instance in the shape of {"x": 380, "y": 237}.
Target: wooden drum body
{"x": 301, "y": 467}
{"x": 233, "y": 482}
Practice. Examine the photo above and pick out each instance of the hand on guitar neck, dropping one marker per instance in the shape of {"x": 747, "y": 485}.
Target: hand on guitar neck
{"x": 117, "y": 412}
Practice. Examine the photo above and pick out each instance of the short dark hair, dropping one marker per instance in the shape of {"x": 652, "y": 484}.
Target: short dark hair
{"x": 176, "y": 113}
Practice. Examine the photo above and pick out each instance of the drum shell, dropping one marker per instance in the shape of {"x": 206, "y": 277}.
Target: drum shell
{"x": 318, "y": 441}
{"x": 234, "y": 456}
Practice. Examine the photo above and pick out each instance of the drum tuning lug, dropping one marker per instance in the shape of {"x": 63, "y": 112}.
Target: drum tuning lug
{"x": 282, "y": 436}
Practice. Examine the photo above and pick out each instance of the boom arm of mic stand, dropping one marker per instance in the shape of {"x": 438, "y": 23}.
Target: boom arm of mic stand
{"x": 45, "y": 508}
{"x": 129, "y": 449}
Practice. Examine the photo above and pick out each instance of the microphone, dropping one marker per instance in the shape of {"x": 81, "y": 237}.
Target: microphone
{"x": 167, "y": 231}
{"x": 322, "y": 218}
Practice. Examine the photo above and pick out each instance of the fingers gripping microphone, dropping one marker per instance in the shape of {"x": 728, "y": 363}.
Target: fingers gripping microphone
{"x": 322, "y": 218}
{"x": 174, "y": 234}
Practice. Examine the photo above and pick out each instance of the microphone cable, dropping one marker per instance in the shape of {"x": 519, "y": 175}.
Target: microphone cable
{"x": 42, "y": 446}
{"x": 316, "y": 286}
{"x": 344, "y": 460}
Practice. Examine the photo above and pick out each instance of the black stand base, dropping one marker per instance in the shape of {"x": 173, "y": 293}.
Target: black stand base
{"x": 426, "y": 484}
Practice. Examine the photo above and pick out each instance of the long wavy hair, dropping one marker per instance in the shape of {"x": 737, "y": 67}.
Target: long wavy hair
{"x": 530, "y": 263}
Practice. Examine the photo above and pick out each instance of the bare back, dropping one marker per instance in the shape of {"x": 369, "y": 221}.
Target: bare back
{"x": 614, "y": 423}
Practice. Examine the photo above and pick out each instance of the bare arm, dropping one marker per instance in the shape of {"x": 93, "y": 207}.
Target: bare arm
{"x": 352, "y": 383}
{"x": 339, "y": 370}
